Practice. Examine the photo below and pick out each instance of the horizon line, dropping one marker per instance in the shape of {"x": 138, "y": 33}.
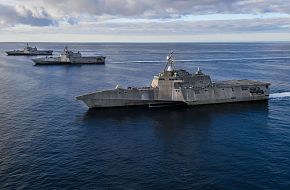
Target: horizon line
{"x": 258, "y": 41}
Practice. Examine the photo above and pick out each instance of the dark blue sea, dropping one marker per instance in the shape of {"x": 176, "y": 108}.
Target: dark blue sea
{"x": 49, "y": 140}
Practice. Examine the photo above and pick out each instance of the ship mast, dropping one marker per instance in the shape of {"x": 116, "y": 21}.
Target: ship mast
{"x": 170, "y": 65}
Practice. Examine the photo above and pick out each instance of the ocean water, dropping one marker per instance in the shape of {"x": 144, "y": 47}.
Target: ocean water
{"x": 49, "y": 140}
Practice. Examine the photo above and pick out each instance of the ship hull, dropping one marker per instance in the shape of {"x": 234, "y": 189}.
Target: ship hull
{"x": 19, "y": 53}
{"x": 110, "y": 103}
{"x": 106, "y": 103}
{"x": 118, "y": 98}
{"x": 223, "y": 101}
{"x": 80, "y": 61}
{"x": 152, "y": 97}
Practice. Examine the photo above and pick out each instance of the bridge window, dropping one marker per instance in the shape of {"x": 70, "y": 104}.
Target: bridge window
{"x": 245, "y": 88}
{"x": 256, "y": 90}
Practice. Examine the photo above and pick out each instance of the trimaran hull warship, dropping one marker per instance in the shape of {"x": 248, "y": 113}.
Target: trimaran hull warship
{"x": 68, "y": 57}
{"x": 29, "y": 51}
{"x": 174, "y": 87}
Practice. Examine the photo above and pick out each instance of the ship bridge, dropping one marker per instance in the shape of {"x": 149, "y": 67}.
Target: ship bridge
{"x": 170, "y": 79}
{"x": 29, "y": 49}
{"x": 67, "y": 55}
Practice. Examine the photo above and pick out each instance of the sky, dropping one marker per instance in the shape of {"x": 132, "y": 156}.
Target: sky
{"x": 144, "y": 20}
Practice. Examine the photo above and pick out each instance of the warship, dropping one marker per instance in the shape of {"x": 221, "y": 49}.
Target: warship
{"x": 68, "y": 57}
{"x": 178, "y": 87}
{"x": 30, "y": 51}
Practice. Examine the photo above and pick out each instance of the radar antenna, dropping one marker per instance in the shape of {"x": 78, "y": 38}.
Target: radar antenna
{"x": 199, "y": 71}
{"x": 170, "y": 65}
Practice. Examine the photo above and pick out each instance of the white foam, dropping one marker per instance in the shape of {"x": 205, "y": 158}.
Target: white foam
{"x": 232, "y": 59}
{"x": 280, "y": 95}
{"x": 205, "y": 60}
{"x": 137, "y": 62}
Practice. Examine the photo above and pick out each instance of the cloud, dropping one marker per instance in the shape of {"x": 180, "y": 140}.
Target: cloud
{"x": 10, "y": 16}
{"x": 190, "y": 27}
{"x": 74, "y": 11}
{"x": 150, "y": 17}
{"x": 166, "y": 8}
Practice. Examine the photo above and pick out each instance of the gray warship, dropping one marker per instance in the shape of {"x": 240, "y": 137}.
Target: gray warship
{"x": 29, "y": 51}
{"x": 68, "y": 57}
{"x": 179, "y": 87}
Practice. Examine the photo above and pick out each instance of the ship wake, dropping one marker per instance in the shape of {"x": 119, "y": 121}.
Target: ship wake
{"x": 281, "y": 95}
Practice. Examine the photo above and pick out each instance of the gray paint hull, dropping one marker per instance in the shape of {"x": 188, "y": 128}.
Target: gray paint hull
{"x": 103, "y": 103}
{"x": 151, "y": 97}
{"x": 76, "y": 61}
{"x": 107, "y": 103}
{"x": 21, "y": 53}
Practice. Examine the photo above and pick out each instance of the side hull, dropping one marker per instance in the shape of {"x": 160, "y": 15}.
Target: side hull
{"x": 222, "y": 101}
{"x": 12, "y": 53}
{"x": 119, "y": 98}
{"x": 153, "y": 97}
{"x": 106, "y": 103}
{"x": 67, "y": 63}
{"x": 75, "y": 61}
{"x": 156, "y": 104}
